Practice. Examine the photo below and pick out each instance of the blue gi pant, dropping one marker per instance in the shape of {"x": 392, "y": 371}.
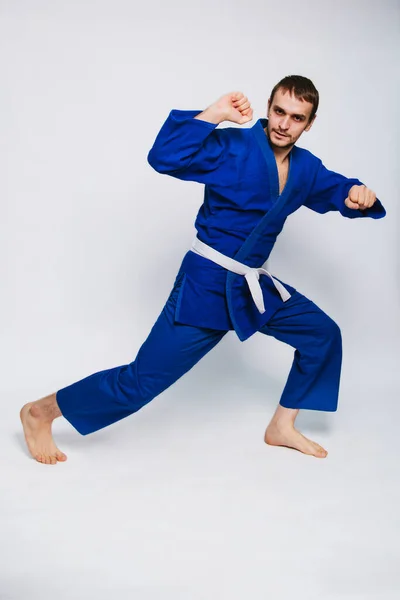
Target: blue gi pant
{"x": 172, "y": 349}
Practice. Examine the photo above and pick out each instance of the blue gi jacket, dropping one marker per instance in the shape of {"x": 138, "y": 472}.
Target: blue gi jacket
{"x": 242, "y": 213}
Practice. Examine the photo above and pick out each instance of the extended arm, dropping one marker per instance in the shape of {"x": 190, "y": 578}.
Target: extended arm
{"x": 332, "y": 191}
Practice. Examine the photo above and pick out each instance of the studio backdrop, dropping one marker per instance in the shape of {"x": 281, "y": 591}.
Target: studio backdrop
{"x": 91, "y": 237}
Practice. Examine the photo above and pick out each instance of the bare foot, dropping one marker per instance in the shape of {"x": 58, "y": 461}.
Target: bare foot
{"x": 37, "y": 431}
{"x": 291, "y": 438}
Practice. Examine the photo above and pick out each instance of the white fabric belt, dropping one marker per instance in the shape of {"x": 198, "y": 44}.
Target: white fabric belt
{"x": 252, "y": 275}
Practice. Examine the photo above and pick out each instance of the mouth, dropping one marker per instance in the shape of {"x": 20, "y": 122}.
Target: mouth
{"x": 282, "y": 135}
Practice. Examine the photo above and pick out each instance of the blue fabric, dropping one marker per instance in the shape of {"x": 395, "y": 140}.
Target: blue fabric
{"x": 241, "y": 216}
{"x": 242, "y": 213}
{"x": 314, "y": 378}
{"x": 172, "y": 349}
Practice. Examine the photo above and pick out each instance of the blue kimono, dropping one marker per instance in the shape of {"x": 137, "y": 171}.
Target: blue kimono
{"x": 241, "y": 217}
{"x": 242, "y": 213}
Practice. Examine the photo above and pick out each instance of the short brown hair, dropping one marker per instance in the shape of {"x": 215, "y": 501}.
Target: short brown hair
{"x": 302, "y": 88}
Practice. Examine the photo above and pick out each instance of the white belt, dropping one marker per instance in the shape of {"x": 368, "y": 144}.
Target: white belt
{"x": 252, "y": 275}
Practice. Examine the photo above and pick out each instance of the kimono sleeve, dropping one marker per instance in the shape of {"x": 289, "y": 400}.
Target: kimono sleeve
{"x": 330, "y": 190}
{"x": 189, "y": 149}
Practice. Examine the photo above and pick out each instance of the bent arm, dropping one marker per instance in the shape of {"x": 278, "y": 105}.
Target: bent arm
{"x": 185, "y": 147}
{"x": 188, "y": 147}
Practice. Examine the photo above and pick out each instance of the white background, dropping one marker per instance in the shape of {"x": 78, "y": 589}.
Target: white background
{"x": 183, "y": 500}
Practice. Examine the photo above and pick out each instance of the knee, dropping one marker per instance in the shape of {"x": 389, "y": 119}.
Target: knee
{"x": 329, "y": 333}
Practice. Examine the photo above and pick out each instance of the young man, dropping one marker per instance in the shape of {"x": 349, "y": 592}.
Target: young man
{"x": 254, "y": 179}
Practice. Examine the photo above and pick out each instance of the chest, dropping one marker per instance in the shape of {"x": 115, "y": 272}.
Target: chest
{"x": 283, "y": 170}
{"x": 254, "y": 182}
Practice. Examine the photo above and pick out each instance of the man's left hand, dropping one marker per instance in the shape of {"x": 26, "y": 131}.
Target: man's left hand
{"x": 360, "y": 197}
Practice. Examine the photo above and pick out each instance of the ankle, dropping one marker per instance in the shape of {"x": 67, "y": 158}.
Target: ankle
{"x": 284, "y": 418}
{"x": 46, "y": 409}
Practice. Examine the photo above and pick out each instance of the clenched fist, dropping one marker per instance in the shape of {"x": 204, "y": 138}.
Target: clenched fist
{"x": 360, "y": 197}
{"x": 234, "y": 107}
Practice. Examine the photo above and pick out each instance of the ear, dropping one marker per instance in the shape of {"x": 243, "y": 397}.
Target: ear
{"x": 269, "y": 105}
{"x": 310, "y": 123}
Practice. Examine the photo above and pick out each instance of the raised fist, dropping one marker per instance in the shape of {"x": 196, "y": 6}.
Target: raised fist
{"x": 234, "y": 107}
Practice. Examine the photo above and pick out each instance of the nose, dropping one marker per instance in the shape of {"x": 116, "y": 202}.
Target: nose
{"x": 284, "y": 123}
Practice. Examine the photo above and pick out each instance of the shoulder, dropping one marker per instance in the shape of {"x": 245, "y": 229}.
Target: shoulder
{"x": 306, "y": 156}
{"x": 309, "y": 163}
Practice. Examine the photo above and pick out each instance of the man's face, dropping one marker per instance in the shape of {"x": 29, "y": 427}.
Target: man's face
{"x": 288, "y": 117}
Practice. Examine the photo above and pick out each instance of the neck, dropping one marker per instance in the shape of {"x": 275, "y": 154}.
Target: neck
{"x": 280, "y": 154}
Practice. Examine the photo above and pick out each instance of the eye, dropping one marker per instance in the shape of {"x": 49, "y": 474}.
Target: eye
{"x": 279, "y": 111}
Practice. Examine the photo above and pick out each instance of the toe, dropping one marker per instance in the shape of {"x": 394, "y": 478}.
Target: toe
{"x": 319, "y": 449}
{"x": 61, "y": 456}
{"x": 53, "y": 460}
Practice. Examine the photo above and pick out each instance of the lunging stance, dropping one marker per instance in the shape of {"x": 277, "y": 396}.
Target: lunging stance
{"x": 254, "y": 179}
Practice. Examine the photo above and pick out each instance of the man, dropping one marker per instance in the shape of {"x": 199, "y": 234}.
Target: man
{"x": 254, "y": 179}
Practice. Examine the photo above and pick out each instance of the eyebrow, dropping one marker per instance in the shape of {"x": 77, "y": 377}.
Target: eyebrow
{"x": 301, "y": 116}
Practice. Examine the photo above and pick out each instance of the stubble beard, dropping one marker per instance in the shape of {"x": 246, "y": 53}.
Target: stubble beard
{"x": 278, "y": 146}
{"x": 284, "y": 146}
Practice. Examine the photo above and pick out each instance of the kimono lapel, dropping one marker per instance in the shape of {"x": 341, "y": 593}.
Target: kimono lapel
{"x": 274, "y": 219}
{"x": 263, "y": 142}
{"x": 257, "y": 247}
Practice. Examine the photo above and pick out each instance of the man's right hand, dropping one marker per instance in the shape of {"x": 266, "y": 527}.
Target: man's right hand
{"x": 234, "y": 107}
